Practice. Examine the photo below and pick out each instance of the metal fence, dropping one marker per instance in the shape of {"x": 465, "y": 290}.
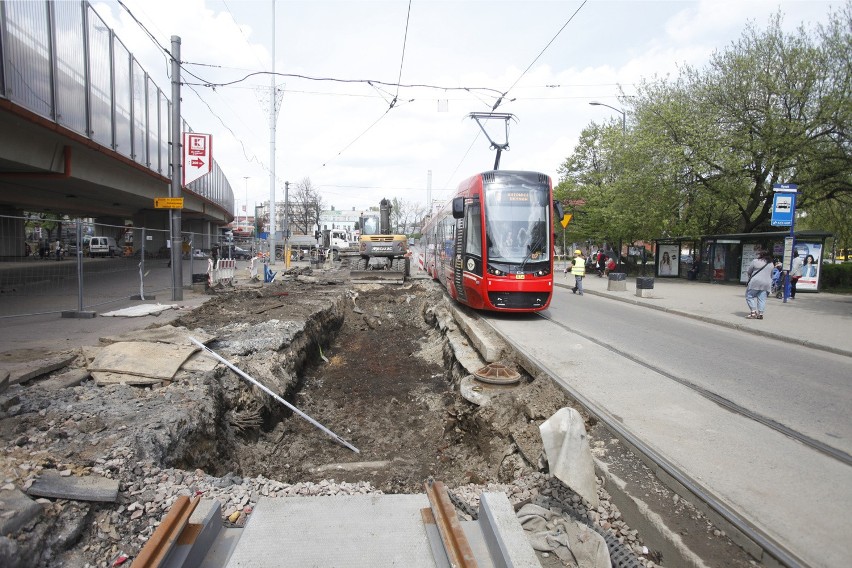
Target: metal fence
{"x": 79, "y": 274}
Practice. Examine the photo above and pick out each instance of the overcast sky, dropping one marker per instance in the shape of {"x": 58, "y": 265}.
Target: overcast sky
{"x": 345, "y": 136}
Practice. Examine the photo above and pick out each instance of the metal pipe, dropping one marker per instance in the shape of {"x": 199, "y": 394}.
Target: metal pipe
{"x": 275, "y": 396}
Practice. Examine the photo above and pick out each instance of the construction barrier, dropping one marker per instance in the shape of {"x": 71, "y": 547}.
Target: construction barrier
{"x": 223, "y": 271}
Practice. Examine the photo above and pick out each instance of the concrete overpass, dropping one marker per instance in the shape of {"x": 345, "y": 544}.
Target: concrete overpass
{"x": 84, "y": 132}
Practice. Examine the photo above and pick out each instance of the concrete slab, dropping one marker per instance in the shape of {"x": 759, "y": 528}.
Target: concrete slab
{"x": 142, "y": 358}
{"x": 68, "y": 379}
{"x": 346, "y": 531}
{"x": 489, "y": 345}
{"x": 86, "y": 488}
{"x": 163, "y": 334}
{"x": 25, "y": 364}
{"x": 18, "y": 510}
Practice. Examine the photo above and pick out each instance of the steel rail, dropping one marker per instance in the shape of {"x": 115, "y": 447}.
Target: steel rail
{"x": 753, "y": 533}
{"x": 167, "y": 534}
{"x": 821, "y": 447}
{"x": 455, "y": 542}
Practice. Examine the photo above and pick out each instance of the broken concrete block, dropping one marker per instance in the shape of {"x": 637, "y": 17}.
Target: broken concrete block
{"x": 567, "y": 447}
{"x": 17, "y": 510}
{"x": 87, "y": 488}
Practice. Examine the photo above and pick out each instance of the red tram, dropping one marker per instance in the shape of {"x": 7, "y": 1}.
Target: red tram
{"x": 491, "y": 245}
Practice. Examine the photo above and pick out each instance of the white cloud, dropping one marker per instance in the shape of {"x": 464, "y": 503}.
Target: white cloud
{"x": 483, "y": 44}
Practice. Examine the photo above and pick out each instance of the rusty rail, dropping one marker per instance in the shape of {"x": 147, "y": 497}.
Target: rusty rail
{"x": 167, "y": 534}
{"x": 455, "y": 542}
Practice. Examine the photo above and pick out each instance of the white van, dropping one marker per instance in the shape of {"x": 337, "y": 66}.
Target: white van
{"x": 102, "y": 246}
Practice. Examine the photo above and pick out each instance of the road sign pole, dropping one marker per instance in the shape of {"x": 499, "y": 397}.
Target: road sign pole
{"x": 175, "y": 188}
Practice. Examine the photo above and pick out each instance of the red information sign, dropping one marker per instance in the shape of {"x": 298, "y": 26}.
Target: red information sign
{"x": 197, "y": 156}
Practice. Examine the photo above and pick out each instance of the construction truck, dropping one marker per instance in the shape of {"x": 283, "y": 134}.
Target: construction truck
{"x": 382, "y": 256}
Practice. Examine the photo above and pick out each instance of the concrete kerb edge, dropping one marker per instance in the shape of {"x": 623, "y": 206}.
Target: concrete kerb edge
{"x": 635, "y": 516}
{"x": 722, "y": 323}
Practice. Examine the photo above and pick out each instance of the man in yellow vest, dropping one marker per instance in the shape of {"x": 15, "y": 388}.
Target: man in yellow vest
{"x": 578, "y": 269}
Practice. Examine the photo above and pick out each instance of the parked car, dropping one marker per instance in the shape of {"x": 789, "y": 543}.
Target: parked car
{"x": 198, "y": 253}
{"x": 102, "y": 246}
{"x": 240, "y": 253}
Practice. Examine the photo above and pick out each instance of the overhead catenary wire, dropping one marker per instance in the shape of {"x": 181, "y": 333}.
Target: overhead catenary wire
{"x": 503, "y": 95}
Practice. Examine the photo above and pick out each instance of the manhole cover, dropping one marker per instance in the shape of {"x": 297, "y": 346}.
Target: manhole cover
{"x": 497, "y": 374}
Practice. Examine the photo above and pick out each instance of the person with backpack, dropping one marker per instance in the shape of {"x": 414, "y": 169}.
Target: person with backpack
{"x": 759, "y": 284}
{"x": 578, "y": 269}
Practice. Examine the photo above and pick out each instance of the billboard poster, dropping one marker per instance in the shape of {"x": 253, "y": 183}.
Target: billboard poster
{"x": 667, "y": 260}
{"x": 811, "y": 255}
{"x": 719, "y": 254}
{"x": 749, "y": 254}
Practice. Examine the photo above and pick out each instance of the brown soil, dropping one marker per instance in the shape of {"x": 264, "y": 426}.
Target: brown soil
{"x": 386, "y": 389}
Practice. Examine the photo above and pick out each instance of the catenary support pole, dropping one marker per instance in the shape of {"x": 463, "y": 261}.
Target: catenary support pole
{"x": 175, "y": 188}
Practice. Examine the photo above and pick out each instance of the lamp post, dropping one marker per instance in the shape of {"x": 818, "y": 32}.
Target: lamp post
{"x": 245, "y": 209}
{"x": 618, "y": 110}
{"x": 623, "y": 133}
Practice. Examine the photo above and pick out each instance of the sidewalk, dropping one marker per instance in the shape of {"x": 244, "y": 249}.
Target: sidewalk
{"x": 818, "y": 320}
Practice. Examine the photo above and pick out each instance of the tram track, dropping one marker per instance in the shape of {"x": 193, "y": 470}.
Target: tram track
{"x": 738, "y": 522}
{"x": 821, "y": 447}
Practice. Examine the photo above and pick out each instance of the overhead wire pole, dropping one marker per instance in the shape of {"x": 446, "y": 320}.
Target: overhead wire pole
{"x": 175, "y": 187}
{"x": 271, "y": 238}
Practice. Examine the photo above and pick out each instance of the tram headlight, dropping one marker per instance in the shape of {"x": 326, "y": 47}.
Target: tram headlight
{"x": 495, "y": 271}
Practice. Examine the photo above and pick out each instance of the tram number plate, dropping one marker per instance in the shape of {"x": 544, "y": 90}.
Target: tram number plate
{"x": 520, "y": 276}
{"x": 382, "y": 249}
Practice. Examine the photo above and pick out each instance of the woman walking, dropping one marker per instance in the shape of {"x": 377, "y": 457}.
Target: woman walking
{"x": 759, "y": 283}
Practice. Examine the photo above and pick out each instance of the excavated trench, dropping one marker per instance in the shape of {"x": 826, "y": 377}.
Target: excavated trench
{"x": 379, "y": 376}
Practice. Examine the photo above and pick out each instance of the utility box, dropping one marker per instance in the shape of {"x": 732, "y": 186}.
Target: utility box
{"x": 617, "y": 282}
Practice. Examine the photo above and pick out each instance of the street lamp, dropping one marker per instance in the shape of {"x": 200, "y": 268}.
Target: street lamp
{"x": 245, "y": 209}
{"x": 618, "y": 110}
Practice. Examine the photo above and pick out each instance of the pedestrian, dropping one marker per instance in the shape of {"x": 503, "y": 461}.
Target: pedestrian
{"x": 601, "y": 264}
{"x": 58, "y": 249}
{"x": 795, "y": 273}
{"x": 759, "y": 284}
{"x": 578, "y": 269}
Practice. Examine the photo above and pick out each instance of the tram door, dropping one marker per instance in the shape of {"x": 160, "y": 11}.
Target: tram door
{"x": 468, "y": 245}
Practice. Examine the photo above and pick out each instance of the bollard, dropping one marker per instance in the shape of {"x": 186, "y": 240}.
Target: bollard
{"x": 644, "y": 286}
{"x": 617, "y": 282}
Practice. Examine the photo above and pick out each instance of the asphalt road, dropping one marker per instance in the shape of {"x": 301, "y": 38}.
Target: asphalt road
{"x": 806, "y": 390}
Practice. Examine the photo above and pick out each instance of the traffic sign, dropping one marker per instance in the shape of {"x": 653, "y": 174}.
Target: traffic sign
{"x": 783, "y": 205}
{"x": 785, "y": 187}
{"x": 197, "y": 156}
{"x": 168, "y": 203}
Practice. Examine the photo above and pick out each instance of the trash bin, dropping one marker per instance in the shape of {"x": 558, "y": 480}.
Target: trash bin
{"x": 644, "y": 286}
{"x": 617, "y": 282}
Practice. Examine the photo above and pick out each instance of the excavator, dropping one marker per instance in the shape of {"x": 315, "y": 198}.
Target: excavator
{"x": 382, "y": 256}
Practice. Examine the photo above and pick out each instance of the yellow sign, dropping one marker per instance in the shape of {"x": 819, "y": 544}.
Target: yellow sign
{"x": 168, "y": 203}
{"x": 566, "y": 219}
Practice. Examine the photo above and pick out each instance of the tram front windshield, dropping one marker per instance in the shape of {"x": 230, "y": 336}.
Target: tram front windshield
{"x": 516, "y": 227}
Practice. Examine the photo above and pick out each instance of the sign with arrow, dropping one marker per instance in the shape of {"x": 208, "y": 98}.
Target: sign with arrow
{"x": 197, "y": 156}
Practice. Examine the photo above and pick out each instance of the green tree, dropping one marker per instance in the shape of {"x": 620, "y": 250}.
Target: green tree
{"x": 704, "y": 149}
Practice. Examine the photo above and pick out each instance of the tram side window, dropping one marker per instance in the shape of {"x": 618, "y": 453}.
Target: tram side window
{"x": 473, "y": 231}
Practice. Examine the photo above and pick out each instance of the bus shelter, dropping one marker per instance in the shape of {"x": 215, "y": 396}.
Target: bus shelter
{"x": 725, "y": 258}
{"x": 676, "y": 257}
